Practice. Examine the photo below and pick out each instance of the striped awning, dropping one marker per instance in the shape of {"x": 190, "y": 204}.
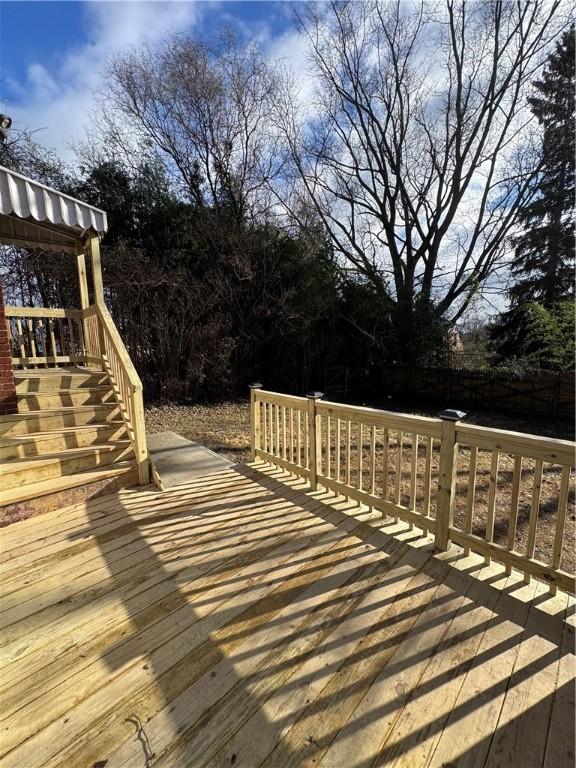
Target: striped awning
{"x": 33, "y": 215}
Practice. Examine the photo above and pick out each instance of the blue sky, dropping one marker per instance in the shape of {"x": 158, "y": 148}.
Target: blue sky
{"x": 52, "y": 53}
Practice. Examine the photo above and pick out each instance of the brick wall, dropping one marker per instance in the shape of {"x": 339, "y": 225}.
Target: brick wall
{"x": 8, "y": 402}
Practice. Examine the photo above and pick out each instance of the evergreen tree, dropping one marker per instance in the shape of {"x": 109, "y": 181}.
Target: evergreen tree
{"x": 543, "y": 265}
{"x": 545, "y": 339}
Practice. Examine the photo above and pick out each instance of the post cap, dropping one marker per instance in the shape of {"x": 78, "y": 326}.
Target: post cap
{"x": 451, "y": 415}
{"x": 315, "y": 395}
{"x": 255, "y": 385}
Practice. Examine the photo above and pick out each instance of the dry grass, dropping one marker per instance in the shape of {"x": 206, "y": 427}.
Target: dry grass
{"x": 225, "y": 429}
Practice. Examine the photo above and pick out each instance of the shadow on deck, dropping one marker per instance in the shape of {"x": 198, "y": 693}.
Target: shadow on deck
{"x": 242, "y": 621}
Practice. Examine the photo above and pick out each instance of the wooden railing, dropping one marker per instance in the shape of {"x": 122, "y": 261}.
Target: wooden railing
{"x": 105, "y": 346}
{"x": 502, "y": 494}
{"x": 42, "y": 337}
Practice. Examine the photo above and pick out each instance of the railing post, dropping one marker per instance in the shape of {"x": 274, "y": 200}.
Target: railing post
{"x": 314, "y": 444}
{"x": 254, "y": 420}
{"x": 446, "y": 477}
{"x": 83, "y": 290}
{"x": 139, "y": 428}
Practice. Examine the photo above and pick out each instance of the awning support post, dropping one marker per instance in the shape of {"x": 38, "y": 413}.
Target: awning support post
{"x": 94, "y": 248}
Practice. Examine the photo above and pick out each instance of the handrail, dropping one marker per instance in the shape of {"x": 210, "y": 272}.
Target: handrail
{"x": 455, "y": 480}
{"x": 76, "y": 314}
{"x": 125, "y": 380}
{"x": 424, "y": 425}
{"x": 532, "y": 446}
{"x": 116, "y": 341}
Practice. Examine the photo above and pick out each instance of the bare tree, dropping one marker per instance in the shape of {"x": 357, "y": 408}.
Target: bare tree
{"x": 418, "y": 148}
{"x": 206, "y": 110}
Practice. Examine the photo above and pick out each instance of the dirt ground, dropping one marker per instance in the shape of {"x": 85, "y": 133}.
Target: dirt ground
{"x": 225, "y": 428}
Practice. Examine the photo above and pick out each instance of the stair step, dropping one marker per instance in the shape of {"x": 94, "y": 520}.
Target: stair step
{"x": 53, "y": 382}
{"x": 50, "y": 441}
{"x": 124, "y": 469}
{"x": 48, "y": 419}
{"x": 41, "y": 401}
{"x": 18, "y": 472}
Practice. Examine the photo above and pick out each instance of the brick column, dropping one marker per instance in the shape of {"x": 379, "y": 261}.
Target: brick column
{"x": 8, "y": 402}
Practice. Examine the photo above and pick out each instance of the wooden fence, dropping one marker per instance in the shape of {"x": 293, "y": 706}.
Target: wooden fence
{"x": 550, "y": 395}
{"x": 505, "y": 495}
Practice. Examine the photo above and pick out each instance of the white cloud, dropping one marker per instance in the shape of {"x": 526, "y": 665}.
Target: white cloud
{"x": 58, "y": 103}
{"x": 293, "y": 49}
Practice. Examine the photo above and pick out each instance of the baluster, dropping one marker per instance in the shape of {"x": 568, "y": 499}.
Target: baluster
{"x": 534, "y": 511}
{"x": 88, "y": 337}
{"x": 328, "y": 448}
{"x": 284, "y": 432}
{"x": 386, "y": 438}
{"x": 292, "y": 435}
{"x": 360, "y": 452}
{"x": 398, "y": 490}
{"x": 491, "y": 512}
{"x": 299, "y": 438}
{"x": 40, "y": 345}
{"x": 277, "y": 430}
{"x": 43, "y": 332}
{"x": 21, "y": 339}
{"x": 72, "y": 338}
{"x": 264, "y": 427}
{"x": 318, "y": 443}
{"x": 274, "y": 424}
{"x": 81, "y": 338}
{"x": 306, "y": 443}
{"x": 262, "y": 436}
{"x": 99, "y": 341}
{"x": 413, "y": 475}
{"x": 560, "y": 522}
{"x": 52, "y": 337}
{"x": 337, "y": 446}
{"x": 516, "y": 478}
{"x": 373, "y": 460}
{"x": 94, "y": 346}
{"x": 99, "y": 348}
{"x": 348, "y": 444}
{"x": 61, "y": 335}
{"x": 32, "y": 341}
{"x": 471, "y": 493}
{"x": 271, "y": 426}
{"x": 427, "y": 480}
{"x": 10, "y": 337}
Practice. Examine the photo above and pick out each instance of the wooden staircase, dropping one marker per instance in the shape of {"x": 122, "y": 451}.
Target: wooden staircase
{"x": 69, "y": 431}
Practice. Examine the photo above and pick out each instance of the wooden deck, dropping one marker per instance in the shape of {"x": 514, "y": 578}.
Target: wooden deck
{"x": 239, "y": 621}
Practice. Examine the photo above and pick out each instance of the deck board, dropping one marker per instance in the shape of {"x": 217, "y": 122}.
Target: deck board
{"x": 240, "y": 620}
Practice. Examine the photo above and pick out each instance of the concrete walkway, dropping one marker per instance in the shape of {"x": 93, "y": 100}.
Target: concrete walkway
{"x": 176, "y": 460}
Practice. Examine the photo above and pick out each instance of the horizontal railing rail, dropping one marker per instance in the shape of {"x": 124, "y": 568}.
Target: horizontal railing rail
{"x": 41, "y": 337}
{"x": 463, "y": 483}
